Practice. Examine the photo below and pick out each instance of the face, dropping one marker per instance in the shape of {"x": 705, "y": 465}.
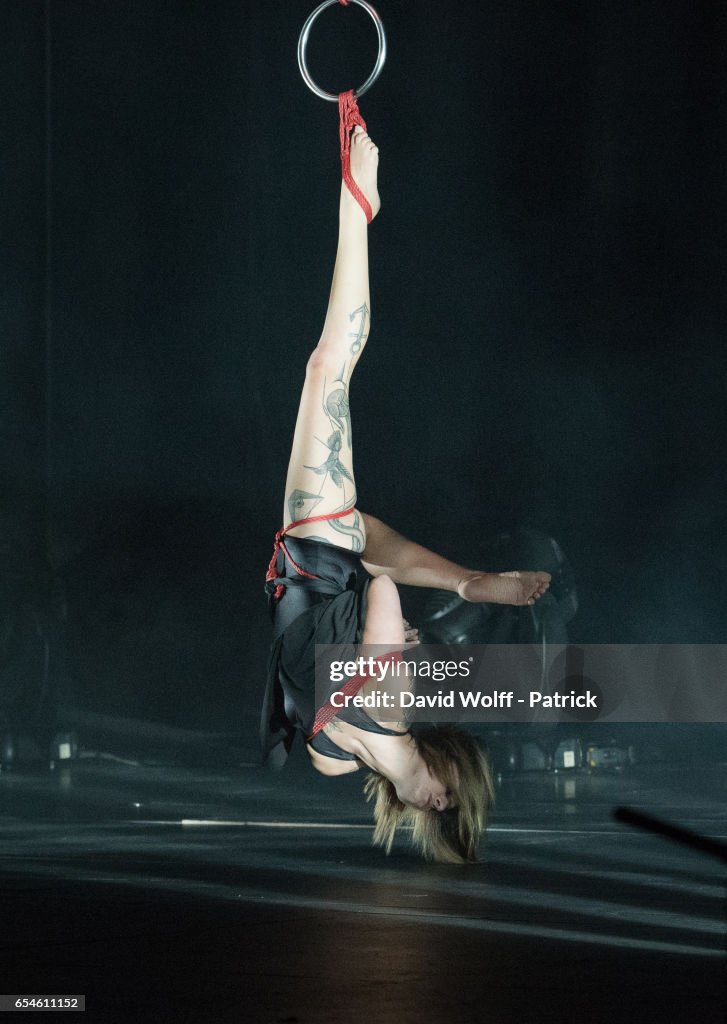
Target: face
{"x": 425, "y": 792}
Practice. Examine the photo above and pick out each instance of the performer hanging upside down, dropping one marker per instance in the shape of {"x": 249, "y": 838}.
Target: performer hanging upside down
{"x": 333, "y": 579}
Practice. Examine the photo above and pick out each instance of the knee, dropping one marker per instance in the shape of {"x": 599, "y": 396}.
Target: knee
{"x": 384, "y": 624}
{"x": 323, "y": 361}
{"x": 383, "y": 600}
{"x": 383, "y": 588}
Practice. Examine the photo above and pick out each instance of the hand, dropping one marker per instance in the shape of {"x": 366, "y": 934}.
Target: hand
{"x": 411, "y": 633}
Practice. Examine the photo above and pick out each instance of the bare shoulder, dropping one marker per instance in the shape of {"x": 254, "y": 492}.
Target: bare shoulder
{"x": 331, "y": 765}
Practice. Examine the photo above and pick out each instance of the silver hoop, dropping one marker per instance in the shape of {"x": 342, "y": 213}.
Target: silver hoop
{"x": 303, "y": 42}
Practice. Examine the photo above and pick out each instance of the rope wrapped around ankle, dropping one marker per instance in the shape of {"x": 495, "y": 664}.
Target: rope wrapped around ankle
{"x": 349, "y": 116}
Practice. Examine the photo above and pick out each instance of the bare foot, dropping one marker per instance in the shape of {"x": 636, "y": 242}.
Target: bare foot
{"x": 364, "y": 168}
{"x": 504, "y": 587}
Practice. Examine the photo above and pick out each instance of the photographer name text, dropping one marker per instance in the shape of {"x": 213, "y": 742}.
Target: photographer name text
{"x": 463, "y": 699}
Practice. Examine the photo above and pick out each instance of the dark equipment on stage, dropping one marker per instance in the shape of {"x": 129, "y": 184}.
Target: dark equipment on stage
{"x": 449, "y": 619}
{"x": 568, "y": 755}
{"x": 29, "y": 650}
{"x": 609, "y": 756}
{"x": 532, "y": 758}
{"x": 517, "y": 750}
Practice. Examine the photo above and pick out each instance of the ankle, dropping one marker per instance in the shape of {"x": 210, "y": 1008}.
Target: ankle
{"x": 468, "y": 578}
{"x": 349, "y": 210}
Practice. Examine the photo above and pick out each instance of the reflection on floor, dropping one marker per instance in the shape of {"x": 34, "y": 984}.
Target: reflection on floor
{"x": 165, "y": 889}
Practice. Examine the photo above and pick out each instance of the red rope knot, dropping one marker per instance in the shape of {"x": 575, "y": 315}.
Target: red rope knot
{"x": 279, "y": 545}
{"x": 272, "y": 574}
{"x": 348, "y": 117}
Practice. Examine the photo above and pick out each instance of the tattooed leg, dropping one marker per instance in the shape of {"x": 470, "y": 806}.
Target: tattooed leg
{"x": 348, "y": 318}
{"x": 302, "y": 504}
{"x": 354, "y": 532}
{"x": 333, "y": 466}
{"x": 320, "y": 473}
{"x": 337, "y": 409}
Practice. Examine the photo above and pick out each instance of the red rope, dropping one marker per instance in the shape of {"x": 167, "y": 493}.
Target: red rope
{"x": 327, "y": 711}
{"x": 272, "y": 573}
{"x": 349, "y": 116}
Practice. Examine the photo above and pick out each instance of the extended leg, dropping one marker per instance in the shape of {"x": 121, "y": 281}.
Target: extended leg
{"x": 320, "y": 473}
{"x": 404, "y": 561}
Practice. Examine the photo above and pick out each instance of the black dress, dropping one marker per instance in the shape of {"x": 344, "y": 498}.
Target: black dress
{"x": 326, "y": 610}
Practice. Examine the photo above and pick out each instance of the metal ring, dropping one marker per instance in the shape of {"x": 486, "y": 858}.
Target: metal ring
{"x": 303, "y": 42}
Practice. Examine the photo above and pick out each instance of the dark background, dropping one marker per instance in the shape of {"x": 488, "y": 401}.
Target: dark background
{"x": 548, "y": 295}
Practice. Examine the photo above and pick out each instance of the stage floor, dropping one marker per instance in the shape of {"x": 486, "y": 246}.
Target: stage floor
{"x": 204, "y": 888}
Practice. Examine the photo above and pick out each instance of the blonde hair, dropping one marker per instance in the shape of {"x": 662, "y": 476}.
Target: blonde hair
{"x": 445, "y": 837}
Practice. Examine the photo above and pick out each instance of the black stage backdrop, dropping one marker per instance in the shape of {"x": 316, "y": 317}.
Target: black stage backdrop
{"x": 548, "y": 296}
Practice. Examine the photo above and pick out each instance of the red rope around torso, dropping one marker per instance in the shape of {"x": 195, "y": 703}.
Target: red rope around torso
{"x": 327, "y": 712}
{"x": 278, "y": 544}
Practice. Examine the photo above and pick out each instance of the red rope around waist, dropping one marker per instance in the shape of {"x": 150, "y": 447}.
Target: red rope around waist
{"x": 279, "y": 544}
